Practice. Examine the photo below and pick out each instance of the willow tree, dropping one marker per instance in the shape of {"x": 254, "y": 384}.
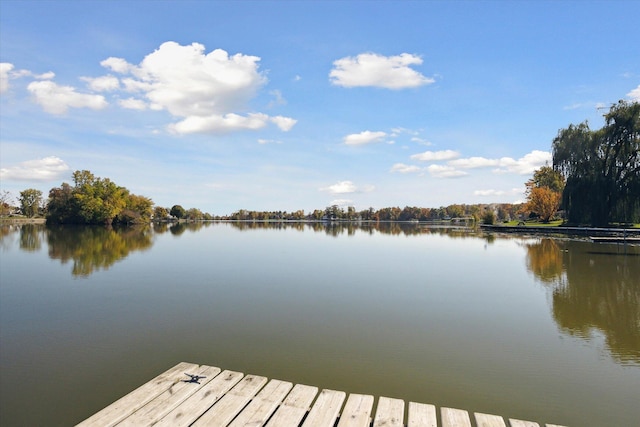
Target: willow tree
{"x": 601, "y": 167}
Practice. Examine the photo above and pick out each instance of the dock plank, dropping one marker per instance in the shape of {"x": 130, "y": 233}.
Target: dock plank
{"x": 422, "y": 415}
{"x": 128, "y": 404}
{"x": 156, "y": 409}
{"x": 520, "y": 423}
{"x": 357, "y": 411}
{"x": 455, "y": 418}
{"x": 201, "y": 400}
{"x": 232, "y": 403}
{"x": 263, "y": 405}
{"x": 486, "y": 420}
{"x": 324, "y": 411}
{"x": 175, "y": 398}
{"x": 389, "y": 413}
{"x": 294, "y": 407}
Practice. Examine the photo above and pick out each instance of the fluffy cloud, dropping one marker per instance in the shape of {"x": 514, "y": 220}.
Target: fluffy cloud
{"x": 206, "y": 90}
{"x": 56, "y": 99}
{"x": 522, "y": 166}
{"x": 402, "y": 168}
{"x": 7, "y": 73}
{"x": 117, "y": 65}
{"x": 442, "y": 171}
{"x": 370, "y": 69}
{"x": 5, "y": 68}
{"x": 435, "y": 156}
{"x": 284, "y": 123}
{"x": 345, "y": 187}
{"x": 132, "y": 104}
{"x": 366, "y": 137}
{"x": 46, "y": 169}
{"x": 634, "y": 95}
{"x": 102, "y": 84}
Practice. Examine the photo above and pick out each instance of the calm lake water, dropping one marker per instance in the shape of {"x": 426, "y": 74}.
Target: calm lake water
{"x": 541, "y": 329}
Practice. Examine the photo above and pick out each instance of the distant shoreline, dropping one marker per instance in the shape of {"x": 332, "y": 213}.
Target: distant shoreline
{"x": 11, "y": 220}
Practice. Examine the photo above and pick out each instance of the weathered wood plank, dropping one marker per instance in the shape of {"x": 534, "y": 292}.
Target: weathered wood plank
{"x": 357, "y": 411}
{"x": 520, "y": 423}
{"x": 454, "y": 418}
{"x": 263, "y": 405}
{"x": 232, "y": 403}
{"x": 294, "y": 407}
{"x": 422, "y": 415}
{"x": 324, "y": 411}
{"x": 389, "y": 413}
{"x": 486, "y": 420}
{"x": 126, "y": 405}
{"x": 169, "y": 399}
{"x": 201, "y": 400}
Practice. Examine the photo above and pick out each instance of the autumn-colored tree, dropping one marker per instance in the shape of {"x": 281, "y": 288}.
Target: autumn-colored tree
{"x": 544, "y": 202}
{"x": 544, "y": 192}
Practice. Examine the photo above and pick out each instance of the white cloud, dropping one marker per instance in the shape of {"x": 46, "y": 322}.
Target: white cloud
{"x": 371, "y": 69}
{"x": 56, "y": 99}
{"x": 132, "y": 104}
{"x": 7, "y": 73}
{"x": 366, "y": 137}
{"x": 442, "y": 171}
{"x": 5, "y": 68}
{"x": 474, "y": 162}
{"x": 431, "y": 156}
{"x": 47, "y": 169}
{"x": 102, "y": 84}
{"x": 117, "y": 65}
{"x": 268, "y": 141}
{"x": 208, "y": 91}
{"x": 219, "y": 124}
{"x": 634, "y": 95}
{"x": 402, "y": 168}
{"x": 522, "y": 166}
{"x": 284, "y": 123}
{"x": 345, "y": 187}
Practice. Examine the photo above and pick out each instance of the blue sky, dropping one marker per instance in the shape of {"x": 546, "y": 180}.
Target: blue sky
{"x": 292, "y": 105}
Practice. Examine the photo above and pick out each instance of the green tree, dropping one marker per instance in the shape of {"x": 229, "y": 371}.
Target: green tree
{"x": 193, "y": 214}
{"x": 546, "y": 176}
{"x": 94, "y": 200}
{"x": 602, "y": 167}
{"x": 160, "y": 213}
{"x": 177, "y": 211}
{"x": 30, "y": 200}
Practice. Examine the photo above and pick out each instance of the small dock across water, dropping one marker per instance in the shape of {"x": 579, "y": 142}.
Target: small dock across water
{"x": 199, "y": 395}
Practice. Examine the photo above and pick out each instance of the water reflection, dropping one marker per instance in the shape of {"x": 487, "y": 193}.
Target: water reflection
{"x": 95, "y": 248}
{"x": 593, "y": 287}
{"x": 337, "y": 228}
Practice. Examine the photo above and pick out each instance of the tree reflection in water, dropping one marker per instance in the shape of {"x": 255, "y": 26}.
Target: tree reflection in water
{"x": 594, "y": 287}
{"x": 95, "y": 248}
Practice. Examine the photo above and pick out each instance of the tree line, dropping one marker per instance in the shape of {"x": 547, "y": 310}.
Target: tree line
{"x": 594, "y": 180}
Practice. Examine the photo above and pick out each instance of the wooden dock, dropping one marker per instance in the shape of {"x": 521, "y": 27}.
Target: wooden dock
{"x": 199, "y": 395}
